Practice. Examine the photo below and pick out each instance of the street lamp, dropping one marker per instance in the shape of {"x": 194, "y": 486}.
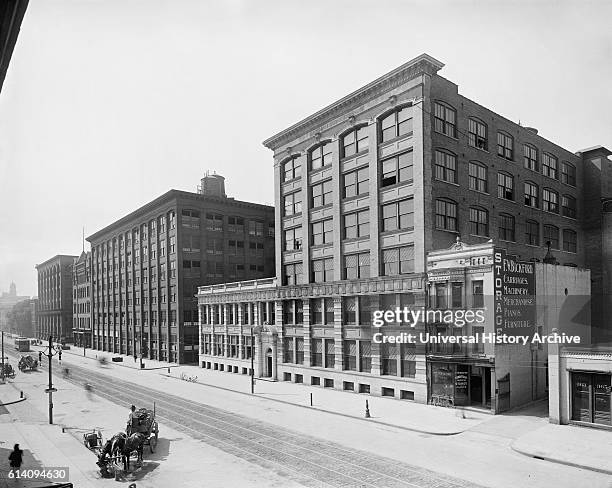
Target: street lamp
{"x": 52, "y": 352}
{"x": 255, "y": 329}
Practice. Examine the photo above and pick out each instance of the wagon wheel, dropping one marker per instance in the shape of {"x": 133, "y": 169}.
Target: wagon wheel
{"x": 153, "y": 443}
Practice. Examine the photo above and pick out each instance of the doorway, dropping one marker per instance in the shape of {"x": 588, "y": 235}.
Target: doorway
{"x": 269, "y": 363}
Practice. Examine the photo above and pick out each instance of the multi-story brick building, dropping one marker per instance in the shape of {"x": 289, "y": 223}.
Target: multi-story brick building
{"x": 364, "y": 188}
{"x": 54, "y": 313}
{"x": 81, "y": 300}
{"x": 146, "y": 267}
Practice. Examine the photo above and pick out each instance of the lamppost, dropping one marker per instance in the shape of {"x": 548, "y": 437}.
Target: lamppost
{"x": 255, "y": 329}
{"x": 52, "y": 352}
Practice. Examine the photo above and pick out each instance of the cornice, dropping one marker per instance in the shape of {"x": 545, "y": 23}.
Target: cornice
{"x": 423, "y": 64}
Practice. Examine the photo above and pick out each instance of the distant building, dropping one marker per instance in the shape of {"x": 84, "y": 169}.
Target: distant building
{"x": 54, "y": 316}
{"x": 147, "y": 266}
{"x": 81, "y": 300}
{"x": 7, "y": 301}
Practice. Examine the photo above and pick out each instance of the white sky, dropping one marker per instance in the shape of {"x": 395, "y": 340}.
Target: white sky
{"x": 108, "y": 104}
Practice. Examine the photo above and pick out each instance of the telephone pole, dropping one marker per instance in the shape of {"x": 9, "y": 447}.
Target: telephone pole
{"x": 50, "y": 389}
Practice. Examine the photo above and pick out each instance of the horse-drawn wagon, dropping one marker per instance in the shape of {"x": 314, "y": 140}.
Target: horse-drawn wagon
{"x": 143, "y": 421}
{"x": 9, "y": 371}
{"x": 27, "y": 363}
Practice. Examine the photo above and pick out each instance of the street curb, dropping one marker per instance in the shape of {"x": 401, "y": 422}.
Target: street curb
{"x": 387, "y": 424}
{"x": 559, "y": 461}
{"x": 122, "y": 365}
{"x": 13, "y": 402}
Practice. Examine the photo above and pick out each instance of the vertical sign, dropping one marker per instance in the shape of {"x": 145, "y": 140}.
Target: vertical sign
{"x": 514, "y": 295}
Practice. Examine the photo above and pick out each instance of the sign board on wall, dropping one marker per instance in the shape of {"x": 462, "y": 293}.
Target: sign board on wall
{"x": 514, "y": 295}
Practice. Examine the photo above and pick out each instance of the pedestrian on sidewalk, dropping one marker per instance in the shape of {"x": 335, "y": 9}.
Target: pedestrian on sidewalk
{"x": 16, "y": 459}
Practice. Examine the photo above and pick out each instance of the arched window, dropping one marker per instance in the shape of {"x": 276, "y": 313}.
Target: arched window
{"x": 446, "y": 214}
{"x": 397, "y": 123}
{"x": 568, "y": 206}
{"x": 551, "y": 233}
{"x": 291, "y": 168}
{"x": 506, "y": 228}
{"x": 549, "y": 165}
{"x": 505, "y": 186}
{"x": 477, "y": 134}
{"x": 321, "y": 155}
{"x": 532, "y": 195}
{"x": 550, "y": 200}
{"x": 532, "y": 233}
{"x": 530, "y": 157}
{"x": 570, "y": 240}
{"x": 445, "y": 119}
{"x": 479, "y": 222}
{"x": 568, "y": 173}
{"x": 478, "y": 179}
{"x": 505, "y": 145}
{"x": 355, "y": 141}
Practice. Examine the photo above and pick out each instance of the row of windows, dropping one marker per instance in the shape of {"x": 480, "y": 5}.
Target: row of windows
{"x": 445, "y": 122}
{"x": 394, "y": 261}
{"x": 395, "y": 216}
{"x": 398, "y": 123}
{"x": 446, "y": 219}
{"x": 478, "y": 180}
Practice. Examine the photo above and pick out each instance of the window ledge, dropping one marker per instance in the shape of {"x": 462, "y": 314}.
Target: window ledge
{"x": 456, "y": 139}
{"x": 448, "y": 230}
{"x": 353, "y": 156}
{"x": 356, "y": 197}
{"x": 447, "y": 182}
{"x": 478, "y": 191}
{"x": 395, "y": 139}
{"x": 506, "y": 200}
{"x": 480, "y": 149}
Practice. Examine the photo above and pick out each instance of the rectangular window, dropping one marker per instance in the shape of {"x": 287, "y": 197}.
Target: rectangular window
{"x": 355, "y": 141}
{"x": 293, "y": 239}
{"x": 477, "y": 294}
{"x": 350, "y": 355}
{"x": 321, "y": 194}
{"x": 477, "y": 134}
{"x": 506, "y": 227}
{"x": 214, "y": 222}
{"x": 505, "y": 186}
{"x": 316, "y": 310}
{"x": 357, "y": 266}
{"x": 550, "y": 200}
{"x": 322, "y": 232}
{"x": 478, "y": 346}
{"x": 366, "y": 308}
{"x": 568, "y": 174}
{"x": 322, "y": 270}
{"x": 446, "y": 167}
{"x": 398, "y": 215}
{"x": 321, "y": 156}
{"x": 288, "y": 349}
{"x": 568, "y": 206}
{"x": 478, "y": 177}
{"x": 479, "y": 222}
{"x": 445, "y": 119}
{"x": 317, "y": 352}
{"x": 365, "y": 356}
{"x": 293, "y": 203}
{"x": 292, "y": 274}
{"x": 299, "y": 350}
{"x": 397, "y": 169}
{"x": 505, "y": 146}
{"x": 330, "y": 356}
{"x": 349, "y": 310}
{"x": 532, "y": 233}
{"x": 388, "y": 359}
{"x": 457, "y": 295}
{"x": 356, "y": 183}
{"x": 357, "y": 224}
{"x": 446, "y": 215}
{"x": 399, "y": 260}
{"x": 441, "y": 295}
{"x": 549, "y": 165}
{"x": 329, "y": 311}
{"x": 408, "y": 360}
{"x": 551, "y": 233}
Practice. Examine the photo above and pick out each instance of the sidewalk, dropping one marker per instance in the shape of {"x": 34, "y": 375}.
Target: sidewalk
{"x": 581, "y": 447}
{"x": 407, "y": 415}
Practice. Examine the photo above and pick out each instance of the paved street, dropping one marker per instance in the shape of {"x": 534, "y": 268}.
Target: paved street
{"x": 302, "y": 446}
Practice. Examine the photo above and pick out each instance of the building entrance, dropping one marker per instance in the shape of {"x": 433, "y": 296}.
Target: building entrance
{"x": 591, "y": 398}
{"x": 460, "y": 385}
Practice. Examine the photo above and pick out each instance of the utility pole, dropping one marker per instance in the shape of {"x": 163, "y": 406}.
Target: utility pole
{"x": 50, "y": 389}
{"x": 254, "y": 329}
{"x": 2, "y": 371}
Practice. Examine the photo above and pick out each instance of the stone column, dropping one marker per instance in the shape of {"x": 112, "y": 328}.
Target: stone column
{"x": 225, "y": 335}
{"x": 307, "y": 333}
{"x": 274, "y": 357}
{"x": 338, "y": 333}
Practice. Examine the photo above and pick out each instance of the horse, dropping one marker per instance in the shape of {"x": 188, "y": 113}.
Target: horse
{"x": 133, "y": 443}
{"x": 113, "y": 447}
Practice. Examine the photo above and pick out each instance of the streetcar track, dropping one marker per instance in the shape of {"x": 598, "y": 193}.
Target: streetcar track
{"x": 424, "y": 475}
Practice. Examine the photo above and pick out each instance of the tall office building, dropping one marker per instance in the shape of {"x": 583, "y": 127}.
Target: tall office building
{"x": 364, "y": 189}
{"x": 54, "y": 313}
{"x": 146, "y": 267}
{"x": 81, "y": 300}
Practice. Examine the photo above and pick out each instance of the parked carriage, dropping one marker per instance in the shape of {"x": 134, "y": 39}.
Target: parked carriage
{"x": 27, "y": 363}
{"x": 147, "y": 425}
